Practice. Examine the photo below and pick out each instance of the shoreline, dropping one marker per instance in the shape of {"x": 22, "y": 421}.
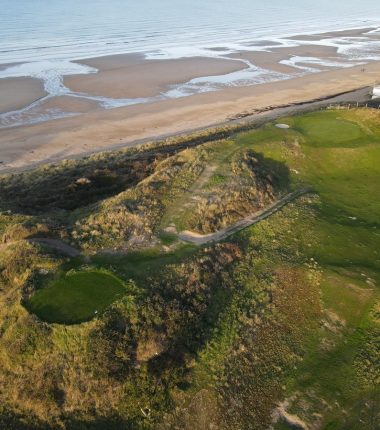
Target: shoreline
{"x": 242, "y": 120}
{"x": 132, "y": 76}
{"x": 121, "y": 80}
{"x": 350, "y": 30}
{"x": 301, "y": 74}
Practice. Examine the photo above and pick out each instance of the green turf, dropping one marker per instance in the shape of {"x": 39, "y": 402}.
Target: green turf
{"x": 168, "y": 238}
{"x": 329, "y": 130}
{"x": 76, "y": 297}
{"x": 141, "y": 265}
{"x": 337, "y": 153}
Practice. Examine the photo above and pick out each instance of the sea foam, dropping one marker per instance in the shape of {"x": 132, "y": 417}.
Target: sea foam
{"x": 49, "y": 71}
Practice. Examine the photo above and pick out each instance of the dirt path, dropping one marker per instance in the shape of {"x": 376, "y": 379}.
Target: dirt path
{"x": 190, "y": 236}
{"x": 202, "y": 239}
{"x": 203, "y": 178}
{"x": 184, "y": 204}
{"x": 57, "y": 245}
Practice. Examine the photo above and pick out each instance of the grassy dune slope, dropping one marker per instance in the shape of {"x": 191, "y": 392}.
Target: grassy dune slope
{"x": 277, "y": 326}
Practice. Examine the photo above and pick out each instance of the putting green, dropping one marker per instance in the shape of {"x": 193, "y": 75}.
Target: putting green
{"x": 76, "y": 297}
{"x": 328, "y": 129}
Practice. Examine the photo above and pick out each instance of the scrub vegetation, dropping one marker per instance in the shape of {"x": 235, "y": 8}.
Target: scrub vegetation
{"x": 277, "y": 326}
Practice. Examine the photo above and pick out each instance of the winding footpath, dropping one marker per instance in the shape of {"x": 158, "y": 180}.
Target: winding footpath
{"x": 193, "y": 237}
{"x": 56, "y": 244}
{"x": 202, "y": 239}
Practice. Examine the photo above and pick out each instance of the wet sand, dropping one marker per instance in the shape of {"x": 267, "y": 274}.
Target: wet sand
{"x": 26, "y": 146}
{"x": 15, "y": 93}
{"x": 271, "y": 60}
{"x": 131, "y": 76}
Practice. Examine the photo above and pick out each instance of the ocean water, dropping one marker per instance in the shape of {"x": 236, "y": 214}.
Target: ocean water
{"x": 43, "y": 38}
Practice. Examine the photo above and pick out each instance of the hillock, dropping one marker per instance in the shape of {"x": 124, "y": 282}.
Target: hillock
{"x": 109, "y": 321}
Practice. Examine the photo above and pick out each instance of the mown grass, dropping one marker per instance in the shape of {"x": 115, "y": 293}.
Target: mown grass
{"x": 76, "y": 297}
{"x": 329, "y": 129}
{"x": 329, "y": 366}
{"x": 139, "y": 266}
{"x": 337, "y": 155}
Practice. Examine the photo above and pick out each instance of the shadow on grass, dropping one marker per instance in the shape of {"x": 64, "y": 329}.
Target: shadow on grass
{"x": 275, "y": 172}
{"x": 14, "y": 421}
{"x": 71, "y": 185}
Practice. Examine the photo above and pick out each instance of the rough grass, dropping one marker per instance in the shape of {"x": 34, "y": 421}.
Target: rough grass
{"x": 76, "y": 297}
{"x": 337, "y": 155}
{"x": 286, "y": 309}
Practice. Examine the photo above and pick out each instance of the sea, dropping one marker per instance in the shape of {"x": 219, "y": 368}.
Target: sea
{"x": 44, "y": 38}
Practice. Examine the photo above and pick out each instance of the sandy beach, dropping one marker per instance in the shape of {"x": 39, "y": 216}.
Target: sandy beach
{"x": 19, "y": 92}
{"x": 94, "y": 128}
{"x": 131, "y": 76}
{"x": 23, "y": 147}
